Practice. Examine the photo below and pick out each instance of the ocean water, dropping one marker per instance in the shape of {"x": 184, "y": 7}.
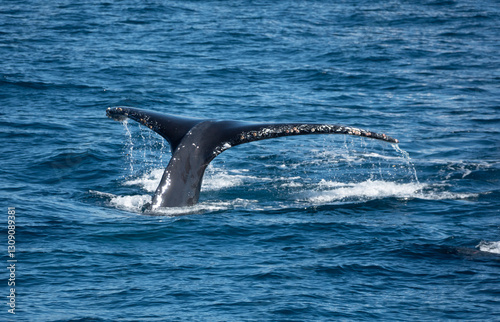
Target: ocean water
{"x": 309, "y": 228}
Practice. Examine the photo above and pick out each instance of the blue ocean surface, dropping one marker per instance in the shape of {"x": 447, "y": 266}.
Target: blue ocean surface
{"x": 304, "y": 228}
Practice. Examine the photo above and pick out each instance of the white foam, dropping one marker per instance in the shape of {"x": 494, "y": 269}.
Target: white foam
{"x": 149, "y": 181}
{"x": 323, "y": 192}
{"x": 207, "y": 206}
{"x": 218, "y": 179}
{"x": 369, "y": 189}
{"x": 292, "y": 184}
{"x": 390, "y": 177}
{"x": 380, "y": 156}
{"x": 490, "y": 247}
{"x": 136, "y": 203}
{"x": 214, "y": 179}
{"x": 102, "y": 194}
{"x": 132, "y": 203}
{"x": 331, "y": 191}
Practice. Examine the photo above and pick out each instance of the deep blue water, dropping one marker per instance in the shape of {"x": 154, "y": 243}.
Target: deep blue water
{"x": 309, "y": 228}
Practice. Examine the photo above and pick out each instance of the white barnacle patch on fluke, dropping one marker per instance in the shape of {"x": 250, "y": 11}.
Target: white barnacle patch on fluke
{"x": 117, "y": 114}
{"x": 266, "y": 131}
{"x": 221, "y": 148}
{"x": 343, "y": 129}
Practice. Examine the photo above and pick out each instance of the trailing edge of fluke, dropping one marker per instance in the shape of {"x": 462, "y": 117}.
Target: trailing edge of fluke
{"x": 196, "y": 142}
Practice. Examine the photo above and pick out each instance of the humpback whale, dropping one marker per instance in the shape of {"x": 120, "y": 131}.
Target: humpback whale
{"x": 196, "y": 142}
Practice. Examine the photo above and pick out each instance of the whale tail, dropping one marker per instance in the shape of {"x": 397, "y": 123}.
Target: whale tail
{"x": 196, "y": 142}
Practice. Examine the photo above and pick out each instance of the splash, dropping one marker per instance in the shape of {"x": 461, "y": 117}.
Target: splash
{"x": 137, "y": 203}
{"x": 148, "y": 181}
{"x": 215, "y": 179}
{"x": 490, "y": 247}
{"x": 219, "y": 179}
{"x": 129, "y": 146}
{"x": 366, "y": 190}
{"x": 144, "y": 149}
{"x": 352, "y": 172}
{"x": 133, "y": 203}
{"x": 360, "y": 173}
{"x": 207, "y": 206}
{"x": 332, "y": 191}
{"x": 407, "y": 159}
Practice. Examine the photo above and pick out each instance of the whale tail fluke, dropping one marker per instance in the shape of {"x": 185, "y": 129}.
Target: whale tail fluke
{"x": 172, "y": 128}
{"x": 196, "y": 142}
